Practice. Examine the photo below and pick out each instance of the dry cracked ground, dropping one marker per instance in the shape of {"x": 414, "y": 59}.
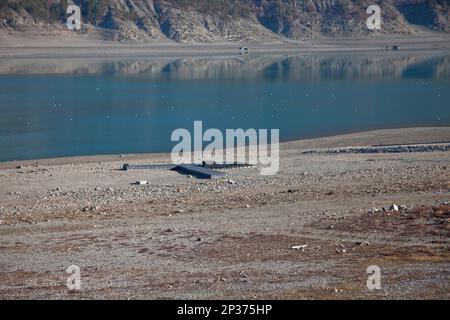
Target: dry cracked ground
{"x": 235, "y": 237}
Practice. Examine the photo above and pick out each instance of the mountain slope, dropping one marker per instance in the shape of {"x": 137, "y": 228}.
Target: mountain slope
{"x": 208, "y": 20}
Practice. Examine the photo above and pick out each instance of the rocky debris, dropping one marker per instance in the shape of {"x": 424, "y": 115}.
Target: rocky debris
{"x": 392, "y": 208}
{"x": 386, "y": 149}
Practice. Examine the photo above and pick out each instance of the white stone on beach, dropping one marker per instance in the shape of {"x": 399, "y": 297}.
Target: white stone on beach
{"x": 394, "y": 207}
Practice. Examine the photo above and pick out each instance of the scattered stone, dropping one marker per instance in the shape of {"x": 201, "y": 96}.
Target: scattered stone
{"x": 199, "y": 239}
{"x": 1, "y": 222}
{"x": 386, "y": 149}
{"x": 144, "y": 250}
{"x": 230, "y": 181}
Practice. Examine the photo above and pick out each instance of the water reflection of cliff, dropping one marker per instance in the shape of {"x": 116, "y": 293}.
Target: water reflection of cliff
{"x": 300, "y": 68}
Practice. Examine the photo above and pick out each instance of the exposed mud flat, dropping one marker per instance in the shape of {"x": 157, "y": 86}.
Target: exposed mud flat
{"x": 310, "y": 232}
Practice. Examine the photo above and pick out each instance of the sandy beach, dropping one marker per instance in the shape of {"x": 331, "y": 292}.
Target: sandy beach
{"x": 309, "y": 232}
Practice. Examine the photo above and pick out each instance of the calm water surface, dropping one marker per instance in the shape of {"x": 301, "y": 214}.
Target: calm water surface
{"x": 66, "y": 108}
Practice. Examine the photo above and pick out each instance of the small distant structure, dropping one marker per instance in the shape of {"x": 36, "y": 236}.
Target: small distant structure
{"x": 207, "y": 170}
{"x": 244, "y": 50}
{"x": 387, "y": 48}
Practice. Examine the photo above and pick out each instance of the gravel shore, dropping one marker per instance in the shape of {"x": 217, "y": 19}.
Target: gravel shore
{"x": 237, "y": 236}
{"x": 17, "y": 45}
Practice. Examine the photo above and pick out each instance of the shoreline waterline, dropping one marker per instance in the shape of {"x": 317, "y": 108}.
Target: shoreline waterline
{"x": 442, "y": 135}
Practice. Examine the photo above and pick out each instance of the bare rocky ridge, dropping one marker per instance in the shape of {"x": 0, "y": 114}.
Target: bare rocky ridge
{"x": 212, "y": 20}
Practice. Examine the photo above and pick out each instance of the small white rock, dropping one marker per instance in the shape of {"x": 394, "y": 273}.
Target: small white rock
{"x": 394, "y": 207}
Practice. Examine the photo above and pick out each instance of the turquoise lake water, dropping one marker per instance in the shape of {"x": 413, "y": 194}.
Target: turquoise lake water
{"x": 67, "y": 108}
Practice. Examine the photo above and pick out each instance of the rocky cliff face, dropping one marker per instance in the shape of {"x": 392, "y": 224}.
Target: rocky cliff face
{"x": 209, "y": 20}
